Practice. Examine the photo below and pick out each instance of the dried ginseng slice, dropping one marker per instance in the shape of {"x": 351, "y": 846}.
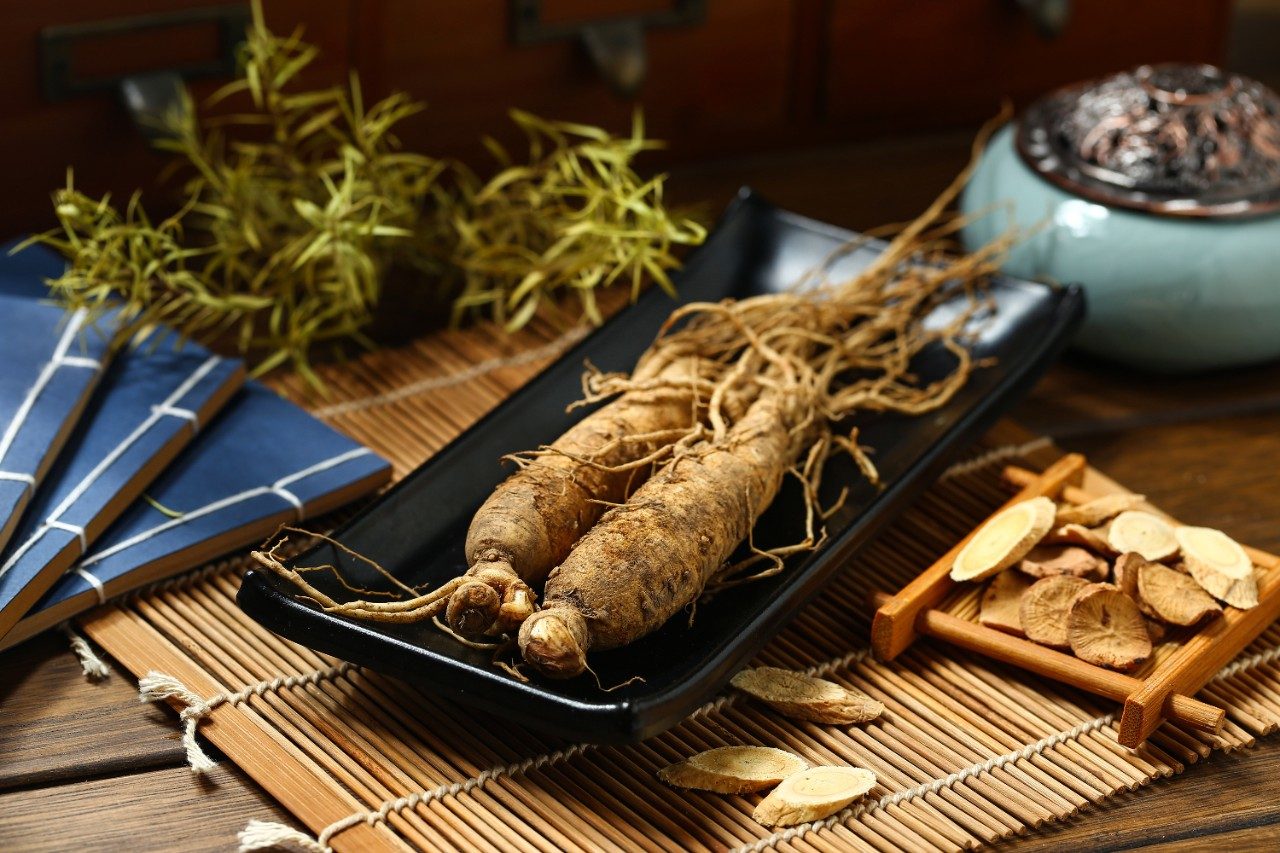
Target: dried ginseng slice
{"x": 1220, "y": 565}
{"x": 806, "y": 697}
{"x": 1149, "y": 535}
{"x": 1004, "y": 540}
{"x": 1043, "y": 561}
{"x": 733, "y": 769}
{"x": 1106, "y": 628}
{"x": 813, "y": 794}
{"x": 1045, "y": 607}
{"x": 1172, "y": 596}
{"x": 1078, "y": 534}
{"x": 1098, "y": 510}
{"x": 1125, "y": 572}
{"x": 1001, "y": 601}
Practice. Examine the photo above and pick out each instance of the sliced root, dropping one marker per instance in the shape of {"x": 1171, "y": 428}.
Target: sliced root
{"x": 1004, "y": 540}
{"x": 805, "y": 697}
{"x": 1044, "y": 561}
{"x": 1098, "y": 510}
{"x": 1077, "y": 534}
{"x": 1219, "y": 565}
{"x": 1045, "y": 607}
{"x": 813, "y": 794}
{"x": 1149, "y": 535}
{"x": 1002, "y": 600}
{"x": 1173, "y": 597}
{"x": 1106, "y": 628}
{"x": 1125, "y": 572}
{"x": 733, "y": 769}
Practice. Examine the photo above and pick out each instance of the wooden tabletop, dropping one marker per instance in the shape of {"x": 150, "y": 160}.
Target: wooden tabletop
{"x": 86, "y": 765}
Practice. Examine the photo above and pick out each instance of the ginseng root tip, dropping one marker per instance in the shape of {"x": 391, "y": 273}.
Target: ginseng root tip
{"x": 473, "y": 608}
{"x": 553, "y": 642}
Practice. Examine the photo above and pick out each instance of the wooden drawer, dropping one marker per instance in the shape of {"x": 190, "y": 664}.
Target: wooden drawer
{"x": 92, "y": 132}
{"x": 712, "y": 85}
{"x": 737, "y": 76}
{"x": 912, "y": 64}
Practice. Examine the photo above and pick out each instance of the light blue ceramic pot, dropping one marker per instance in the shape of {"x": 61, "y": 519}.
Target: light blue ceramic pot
{"x": 1165, "y": 292}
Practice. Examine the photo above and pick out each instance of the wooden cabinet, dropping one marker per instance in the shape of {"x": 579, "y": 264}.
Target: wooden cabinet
{"x": 916, "y": 64}
{"x": 724, "y": 77}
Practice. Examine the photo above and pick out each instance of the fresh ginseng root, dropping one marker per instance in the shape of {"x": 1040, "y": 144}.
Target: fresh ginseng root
{"x": 733, "y": 769}
{"x": 645, "y": 561}
{"x": 1004, "y": 540}
{"x": 534, "y": 517}
{"x": 813, "y": 794}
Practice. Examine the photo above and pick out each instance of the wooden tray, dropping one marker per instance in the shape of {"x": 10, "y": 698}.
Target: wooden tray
{"x": 1161, "y": 689}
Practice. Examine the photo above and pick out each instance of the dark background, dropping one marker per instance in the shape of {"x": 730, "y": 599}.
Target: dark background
{"x": 746, "y": 81}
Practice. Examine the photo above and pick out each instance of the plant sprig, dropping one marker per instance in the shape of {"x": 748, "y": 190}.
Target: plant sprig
{"x": 299, "y": 205}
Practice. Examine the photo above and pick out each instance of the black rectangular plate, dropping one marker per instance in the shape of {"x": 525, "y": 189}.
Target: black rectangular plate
{"x": 416, "y": 529}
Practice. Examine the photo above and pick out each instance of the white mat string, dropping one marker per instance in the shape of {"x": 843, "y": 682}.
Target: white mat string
{"x": 475, "y": 371}
{"x": 261, "y": 835}
{"x": 995, "y": 454}
{"x": 93, "y": 666}
{"x": 155, "y": 686}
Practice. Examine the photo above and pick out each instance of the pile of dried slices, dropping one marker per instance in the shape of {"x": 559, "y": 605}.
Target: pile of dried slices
{"x": 1104, "y": 579}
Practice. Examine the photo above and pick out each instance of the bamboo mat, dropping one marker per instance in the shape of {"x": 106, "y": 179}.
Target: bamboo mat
{"x": 968, "y": 751}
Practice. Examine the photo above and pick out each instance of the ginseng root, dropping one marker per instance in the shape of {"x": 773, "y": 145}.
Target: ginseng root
{"x": 531, "y": 521}
{"x": 644, "y": 561}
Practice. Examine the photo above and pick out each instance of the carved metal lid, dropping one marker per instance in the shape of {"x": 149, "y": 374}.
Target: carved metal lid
{"x": 1179, "y": 140}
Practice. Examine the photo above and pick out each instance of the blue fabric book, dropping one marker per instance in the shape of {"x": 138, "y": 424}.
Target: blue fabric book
{"x": 147, "y": 408}
{"x": 50, "y": 362}
{"x": 261, "y": 463}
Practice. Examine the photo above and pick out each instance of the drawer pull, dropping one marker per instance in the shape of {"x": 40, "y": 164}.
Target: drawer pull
{"x": 615, "y": 45}
{"x": 1048, "y": 16}
{"x": 60, "y": 80}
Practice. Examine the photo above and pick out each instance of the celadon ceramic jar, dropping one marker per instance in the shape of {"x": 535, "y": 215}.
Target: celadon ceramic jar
{"x": 1159, "y": 191}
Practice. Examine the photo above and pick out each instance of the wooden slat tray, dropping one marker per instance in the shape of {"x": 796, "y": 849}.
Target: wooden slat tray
{"x": 1161, "y": 689}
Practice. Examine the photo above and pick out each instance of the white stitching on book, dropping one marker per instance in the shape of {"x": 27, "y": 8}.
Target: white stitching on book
{"x": 54, "y": 520}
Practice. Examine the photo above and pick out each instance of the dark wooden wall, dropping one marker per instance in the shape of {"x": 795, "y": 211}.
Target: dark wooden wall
{"x": 752, "y": 75}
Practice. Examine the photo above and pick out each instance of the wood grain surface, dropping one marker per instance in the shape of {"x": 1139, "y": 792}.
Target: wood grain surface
{"x": 1204, "y": 448}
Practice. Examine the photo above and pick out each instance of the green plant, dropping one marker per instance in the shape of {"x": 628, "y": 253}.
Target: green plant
{"x": 299, "y": 204}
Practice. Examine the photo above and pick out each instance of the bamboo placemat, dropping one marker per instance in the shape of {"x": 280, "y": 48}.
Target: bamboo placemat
{"x": 967, "y": 751}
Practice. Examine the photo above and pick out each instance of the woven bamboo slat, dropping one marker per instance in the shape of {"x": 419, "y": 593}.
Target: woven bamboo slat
{"x": 969, "y": 751}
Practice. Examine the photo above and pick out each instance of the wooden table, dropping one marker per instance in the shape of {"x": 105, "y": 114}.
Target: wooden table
{"x": 86, "y": 764}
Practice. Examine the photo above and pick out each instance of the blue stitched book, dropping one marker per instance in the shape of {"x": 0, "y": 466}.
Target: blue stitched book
{"x": 261, "y": 463}
{"x": 50, "y": 362}
{"x": 146, "y": 410}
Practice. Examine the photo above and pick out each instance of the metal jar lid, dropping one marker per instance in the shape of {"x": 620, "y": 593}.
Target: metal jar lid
{"x": 1177, "y": 140}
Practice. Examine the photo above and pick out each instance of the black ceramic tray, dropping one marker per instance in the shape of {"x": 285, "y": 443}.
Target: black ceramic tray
{"x": 416, "y": 529}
